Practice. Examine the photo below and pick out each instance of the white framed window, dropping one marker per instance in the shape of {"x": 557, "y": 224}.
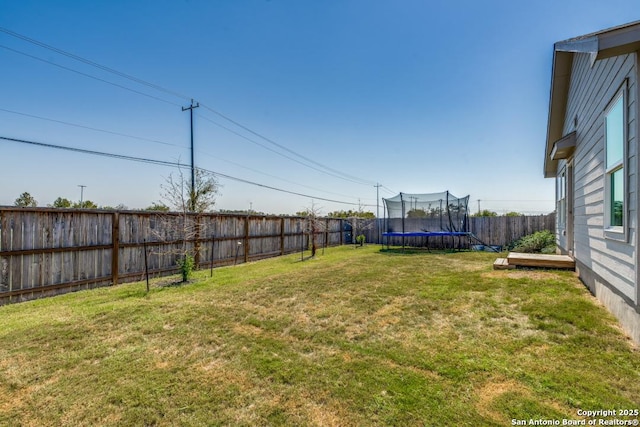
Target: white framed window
{"x": 561, "y": 198}
{"x": 615, "y": 137}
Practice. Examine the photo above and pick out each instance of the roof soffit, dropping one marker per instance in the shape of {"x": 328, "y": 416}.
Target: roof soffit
{"x": 615, "y": 41}
{"x": 560, "y": 80}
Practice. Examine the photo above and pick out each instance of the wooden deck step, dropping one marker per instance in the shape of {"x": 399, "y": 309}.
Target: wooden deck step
{"x": 502, "y": 264}
{"x": 541, "y": 260}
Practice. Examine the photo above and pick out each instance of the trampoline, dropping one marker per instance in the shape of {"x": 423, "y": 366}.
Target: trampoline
{"x": 418, "y": 217}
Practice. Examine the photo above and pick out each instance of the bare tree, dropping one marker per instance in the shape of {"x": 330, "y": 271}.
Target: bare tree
{"x": 183, "y": 226}
{"x": 313, "y": 225}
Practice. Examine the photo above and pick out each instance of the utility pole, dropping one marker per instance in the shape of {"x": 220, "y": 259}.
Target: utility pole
{"x": 414, "y": 199}
{"x": 478, "y": 206}
{"x": 193, "y": 169}
{"x": 378, "y": 199}
{"x": 82, "y": 187}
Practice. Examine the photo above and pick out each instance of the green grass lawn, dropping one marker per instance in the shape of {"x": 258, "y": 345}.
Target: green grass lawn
{"x": 354, "y": 337}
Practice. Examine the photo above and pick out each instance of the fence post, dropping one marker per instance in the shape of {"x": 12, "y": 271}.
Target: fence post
{"x": 146, "y": 263}
{"x": 115, "y": 251}
{"x": 246, "y": 239}
{"x": 213, "y": 242}
{"x": 196, "y": 242}
{"x": 326, "y": 233}
{"x": 282, "y": 236}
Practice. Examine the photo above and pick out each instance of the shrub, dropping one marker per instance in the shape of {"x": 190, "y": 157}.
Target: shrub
{"x": 538, "y": 242}
{"x": 360, "y": 239}
{"x": 186, "y": 265}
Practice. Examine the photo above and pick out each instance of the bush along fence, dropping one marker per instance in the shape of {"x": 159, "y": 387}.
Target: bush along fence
{"x": 45, "y": 252}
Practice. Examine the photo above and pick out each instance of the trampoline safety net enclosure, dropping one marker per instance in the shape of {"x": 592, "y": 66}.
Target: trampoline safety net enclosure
{"x": 426, "y": 215}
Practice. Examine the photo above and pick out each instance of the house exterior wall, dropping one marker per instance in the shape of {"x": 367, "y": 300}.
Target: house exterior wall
{"x": 608, "y": 266}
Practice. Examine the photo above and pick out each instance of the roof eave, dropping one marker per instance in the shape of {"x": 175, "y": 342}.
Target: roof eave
{"x": 619, "y": 41}
{"x": 581, "y": 45}
{"x": 560, "y": 77}
{"x": 616, "y": 41}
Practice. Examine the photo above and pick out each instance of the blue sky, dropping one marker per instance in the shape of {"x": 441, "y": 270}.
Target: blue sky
{"x": 419, "y": 96}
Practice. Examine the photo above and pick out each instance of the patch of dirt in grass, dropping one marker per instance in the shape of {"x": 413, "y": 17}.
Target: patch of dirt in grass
{"x": 492, "y": 391}
{"x": 171, "y": 281}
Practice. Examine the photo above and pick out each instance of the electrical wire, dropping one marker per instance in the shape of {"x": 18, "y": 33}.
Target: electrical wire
{"x": 92, "y": 128}
{"x": 282, "y": 147}
{"x": 271, "y": 176}
{"x": 172, "y": 164}
{"x": 324, "y": 169}
{"x": 92, "y": 152}
{"x": 88, "y": 75}
{"x": 164, "y": 143}
{"x": 274, "y": 151}
{"x": 388, "y": 189}
{"x": 93, "y": 64}
{"x": 334, "y": 172}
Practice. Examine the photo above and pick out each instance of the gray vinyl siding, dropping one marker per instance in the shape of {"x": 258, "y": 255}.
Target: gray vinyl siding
{"x": 591, "y": 89}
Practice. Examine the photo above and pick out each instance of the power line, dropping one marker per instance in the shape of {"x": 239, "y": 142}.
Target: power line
{"x": 165, "y": 90}
{"x": 92, "y": 152}
{"x": 164, "y": 143}
{"x": 172, "y": 164}
{"x": 272, "y": 150}
{"x": 343, "y": 176}
{"x": 389, "y": 190}
{"x": 282, "y": 147}
{"x": 334, "y": 172}
{"x": 281, "y": 190}
{"x": 93, "y": 64}
{"x": 269, "y": 175}
{"x": 89, "y": 75}
{"x": 91, "y": 128}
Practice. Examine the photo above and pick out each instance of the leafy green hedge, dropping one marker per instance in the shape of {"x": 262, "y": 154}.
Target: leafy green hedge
{"x": 538, "y": 242}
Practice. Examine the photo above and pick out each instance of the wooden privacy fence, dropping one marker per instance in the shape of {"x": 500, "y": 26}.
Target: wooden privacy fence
{"x": 44, "y": 252}
{"x": 504, "y": 230}
{"x": 498, "y": 230}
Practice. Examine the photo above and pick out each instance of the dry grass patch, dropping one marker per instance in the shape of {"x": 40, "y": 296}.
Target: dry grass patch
{"x": 492, "y": 391}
